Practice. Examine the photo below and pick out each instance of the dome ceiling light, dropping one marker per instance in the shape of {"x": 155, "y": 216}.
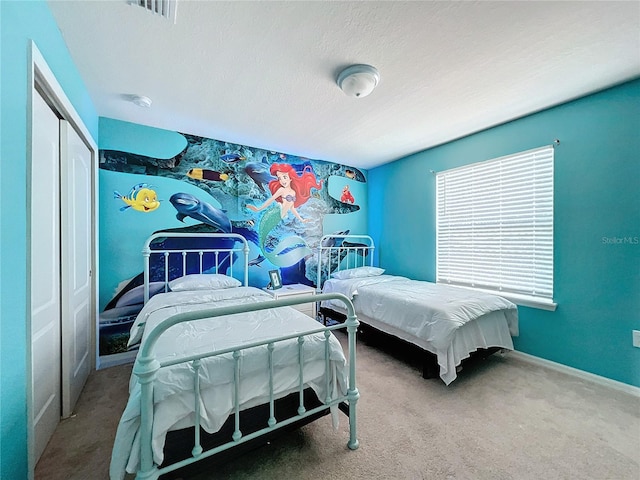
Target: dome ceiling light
{"x": 358, "y": 80}
{"x": 139, "y": 100}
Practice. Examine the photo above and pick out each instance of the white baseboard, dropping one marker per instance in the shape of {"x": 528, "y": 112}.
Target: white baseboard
{"x": 106, "y": 361}
{"x": 607, "y": 382}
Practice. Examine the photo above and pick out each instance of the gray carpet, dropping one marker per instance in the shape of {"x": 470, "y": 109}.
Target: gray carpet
{"x": 501, "y": 419}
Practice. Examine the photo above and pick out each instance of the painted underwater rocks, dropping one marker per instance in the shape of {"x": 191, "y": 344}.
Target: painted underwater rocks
{"x": 141, "y": 198}
{"x": 189, "y": 206}
{"x": 126, "y": 162}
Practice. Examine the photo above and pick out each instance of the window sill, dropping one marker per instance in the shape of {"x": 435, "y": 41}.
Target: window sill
{"x": 520, "y": 300}
{"x": 528, "y": 302}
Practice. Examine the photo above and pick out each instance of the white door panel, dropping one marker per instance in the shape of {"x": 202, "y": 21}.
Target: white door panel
{"x": 45, "y": 274}
{"x": 76, "y": 201}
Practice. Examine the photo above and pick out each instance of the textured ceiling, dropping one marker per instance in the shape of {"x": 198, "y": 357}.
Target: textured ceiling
{"x": 263, "y": 74}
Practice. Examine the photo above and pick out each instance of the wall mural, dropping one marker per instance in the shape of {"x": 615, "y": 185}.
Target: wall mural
{"x": 278, "y": 202}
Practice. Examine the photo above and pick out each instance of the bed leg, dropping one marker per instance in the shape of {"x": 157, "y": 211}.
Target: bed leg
{"x": 145, "y": 368}
{"x": 352, "y": 392}
{"x": 150, "y": 475}
{"x": 353, "y": 443}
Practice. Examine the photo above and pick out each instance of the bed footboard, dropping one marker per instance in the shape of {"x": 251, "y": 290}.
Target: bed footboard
{"x": 147, "y": 366}
{"x": 179, "y": 442}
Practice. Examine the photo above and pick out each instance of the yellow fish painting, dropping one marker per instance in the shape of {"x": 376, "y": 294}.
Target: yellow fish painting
{"x": 141, "y": 198}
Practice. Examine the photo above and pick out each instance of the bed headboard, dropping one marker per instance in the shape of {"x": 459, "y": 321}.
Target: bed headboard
{"x": 340, "y": 252}
{"x": 169, "y": 255}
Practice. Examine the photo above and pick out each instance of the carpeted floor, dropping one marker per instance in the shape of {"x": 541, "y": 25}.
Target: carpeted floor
{"x": 503, "y": 418}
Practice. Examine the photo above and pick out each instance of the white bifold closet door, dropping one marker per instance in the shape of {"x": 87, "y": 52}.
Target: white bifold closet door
{"x": 76, "y": 203}
{"x": 45, "y": 275}
{"x": 61, "y": 259}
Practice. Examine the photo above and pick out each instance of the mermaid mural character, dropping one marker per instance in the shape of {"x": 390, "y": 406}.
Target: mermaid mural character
{"x": 290, "y": 190}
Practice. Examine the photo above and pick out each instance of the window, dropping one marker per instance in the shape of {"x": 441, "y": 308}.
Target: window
{"x": 494, "y": 226}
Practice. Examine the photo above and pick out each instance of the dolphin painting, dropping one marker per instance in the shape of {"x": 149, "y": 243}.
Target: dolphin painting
{"x": 259, "y": 173}
{"x": 189, "y": 206}
{"x": 256, "y": 261}
{"x": 333, "y": 239}
{"x": 361, "y": 249}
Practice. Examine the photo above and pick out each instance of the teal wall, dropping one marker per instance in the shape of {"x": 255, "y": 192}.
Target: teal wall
{"x": 20, "y": 22}
{"x": 597, "y": 205}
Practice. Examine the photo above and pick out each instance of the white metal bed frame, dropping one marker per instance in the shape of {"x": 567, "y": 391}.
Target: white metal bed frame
{"x": 147, "y": 366}
{"x": 339, "y": 251}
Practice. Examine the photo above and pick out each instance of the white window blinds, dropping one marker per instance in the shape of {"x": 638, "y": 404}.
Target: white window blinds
{"x": 494, "y": 225}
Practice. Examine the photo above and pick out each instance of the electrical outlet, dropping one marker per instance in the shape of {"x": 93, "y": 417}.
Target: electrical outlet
{"x": 636, "y": 338}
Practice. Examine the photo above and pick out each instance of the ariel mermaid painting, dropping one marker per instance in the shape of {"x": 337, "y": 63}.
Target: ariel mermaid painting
{"x": 289, "y": 189}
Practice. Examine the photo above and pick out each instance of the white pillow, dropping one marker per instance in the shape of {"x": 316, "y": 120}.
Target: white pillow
{"x": 357, "y": 272}
{"x": 203, "y": 281}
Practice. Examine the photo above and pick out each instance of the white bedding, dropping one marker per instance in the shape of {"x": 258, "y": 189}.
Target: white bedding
{"x": 174, "y": 407}
{"x": 450, "y": 322}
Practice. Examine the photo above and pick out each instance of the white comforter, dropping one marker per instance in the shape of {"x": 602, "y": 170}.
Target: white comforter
{"x": 425, "y": 310}
{"x": 450, "y": 322}
{"x": 173, "y": 386}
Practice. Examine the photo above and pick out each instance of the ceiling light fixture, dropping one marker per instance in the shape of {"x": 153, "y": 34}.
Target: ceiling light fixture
{"x": 358, "y": 80}
{"x": 140, "y": 100}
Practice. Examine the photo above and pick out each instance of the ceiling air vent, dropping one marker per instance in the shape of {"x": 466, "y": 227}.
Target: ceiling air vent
{"x": 164, "y": 8}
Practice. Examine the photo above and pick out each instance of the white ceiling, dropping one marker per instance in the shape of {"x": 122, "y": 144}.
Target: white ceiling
{"x": 262, "y": 74}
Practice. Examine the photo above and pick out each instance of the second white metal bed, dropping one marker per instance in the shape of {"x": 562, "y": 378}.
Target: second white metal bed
{"x": 210, "y": 359}
{"x": 449, "y": 323}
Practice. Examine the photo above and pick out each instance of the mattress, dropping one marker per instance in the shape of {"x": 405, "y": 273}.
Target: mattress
{"x": 173, "y": 396}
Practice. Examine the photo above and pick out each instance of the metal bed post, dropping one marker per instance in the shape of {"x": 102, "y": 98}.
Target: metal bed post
{"x": 352, "y": 392}
{"x": 301, "y": 408}
{"x": 145, "y": 368}
{"x": 146, "y": 253}
{"x": 319, "y": 274}
{"x": 197, "y": 447}
{"x": 245, "y": 250}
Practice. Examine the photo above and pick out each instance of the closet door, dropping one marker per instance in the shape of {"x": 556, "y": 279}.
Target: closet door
{"x": 45, "y": 274}
{"x": 76, "y": 203}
